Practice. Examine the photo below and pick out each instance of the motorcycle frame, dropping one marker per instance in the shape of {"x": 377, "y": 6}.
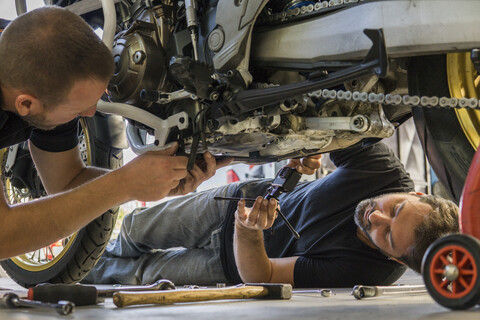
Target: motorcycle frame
{"x": 298, "y": 43}
{"x": 410, "y": 27}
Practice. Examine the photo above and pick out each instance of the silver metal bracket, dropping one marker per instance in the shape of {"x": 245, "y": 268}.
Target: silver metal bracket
{"x": 161, "y": 127}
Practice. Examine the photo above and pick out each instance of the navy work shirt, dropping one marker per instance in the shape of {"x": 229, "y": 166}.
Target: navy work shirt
{"x": 322, "y": 211}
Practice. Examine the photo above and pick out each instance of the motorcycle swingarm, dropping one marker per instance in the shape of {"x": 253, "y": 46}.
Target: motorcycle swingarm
{"x": 375, "y": 62}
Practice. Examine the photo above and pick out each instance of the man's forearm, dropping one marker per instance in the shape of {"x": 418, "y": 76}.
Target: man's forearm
{"x": 87, "y": 174}
{"x": 32, "y": 225}
{"x": 251, "y": 258}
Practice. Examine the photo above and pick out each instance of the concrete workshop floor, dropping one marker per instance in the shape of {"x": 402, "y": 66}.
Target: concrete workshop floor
{"x": 341, "y": 305}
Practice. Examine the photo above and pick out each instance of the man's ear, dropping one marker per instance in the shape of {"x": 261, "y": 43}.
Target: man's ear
{"x": 417, "y": 193}
{"x": 26, "y": 105}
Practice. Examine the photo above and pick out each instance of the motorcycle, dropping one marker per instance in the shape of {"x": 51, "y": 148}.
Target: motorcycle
{"x": 264, "y": 81}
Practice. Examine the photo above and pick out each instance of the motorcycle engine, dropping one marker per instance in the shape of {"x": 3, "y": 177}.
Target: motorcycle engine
{"x": 140, "y": 58}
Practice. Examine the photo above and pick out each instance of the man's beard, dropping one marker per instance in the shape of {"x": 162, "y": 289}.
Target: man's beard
{"x": 38, "y": 121}
{"x": 364, "y": 224}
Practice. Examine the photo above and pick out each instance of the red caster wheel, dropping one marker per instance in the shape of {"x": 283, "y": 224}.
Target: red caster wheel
{"x": 451, "y": 271}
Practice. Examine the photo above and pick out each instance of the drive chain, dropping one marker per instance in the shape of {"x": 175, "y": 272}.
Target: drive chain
{"x": 388, "y": 99}
{"x": 305, "y": 11}
{"x": 396, "y": 99}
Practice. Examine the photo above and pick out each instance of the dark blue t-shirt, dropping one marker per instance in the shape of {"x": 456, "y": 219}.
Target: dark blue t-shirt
{"x": 14, "y": 130}
{"x": 330, "y": 254}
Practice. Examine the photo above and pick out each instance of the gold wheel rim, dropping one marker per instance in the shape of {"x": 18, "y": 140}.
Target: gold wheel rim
{"x": 34, "y": 261}
{"x": 464, "y": 82}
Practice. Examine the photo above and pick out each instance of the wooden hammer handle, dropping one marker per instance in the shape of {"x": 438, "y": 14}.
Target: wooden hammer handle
{"x": 123, "y": 299}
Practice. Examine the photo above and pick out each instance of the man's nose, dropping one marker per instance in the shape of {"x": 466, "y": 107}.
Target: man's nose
{"x": 377, "y": 217}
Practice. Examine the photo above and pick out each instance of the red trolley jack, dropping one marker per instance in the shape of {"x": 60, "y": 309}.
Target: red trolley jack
{"x": 451, "y": 265}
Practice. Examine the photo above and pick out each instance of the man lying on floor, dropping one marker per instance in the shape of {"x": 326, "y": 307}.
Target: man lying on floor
{"x": 358, "y": 225}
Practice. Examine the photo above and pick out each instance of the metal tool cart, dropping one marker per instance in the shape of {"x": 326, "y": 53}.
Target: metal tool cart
{"x": 451, "y": 265}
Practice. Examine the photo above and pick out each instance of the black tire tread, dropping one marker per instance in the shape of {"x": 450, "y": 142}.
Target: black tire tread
{"x": 91, "y": 241}
{"x": 448, "y": 150}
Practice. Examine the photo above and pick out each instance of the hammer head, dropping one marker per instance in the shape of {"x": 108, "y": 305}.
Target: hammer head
{"x": 275, "y": 290}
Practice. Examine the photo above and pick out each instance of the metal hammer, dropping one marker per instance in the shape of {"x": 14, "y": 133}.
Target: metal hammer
{"x": 247, "y": 291}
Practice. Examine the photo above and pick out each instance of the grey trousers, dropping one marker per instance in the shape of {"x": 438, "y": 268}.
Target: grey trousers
{"x": 178, "y": 240}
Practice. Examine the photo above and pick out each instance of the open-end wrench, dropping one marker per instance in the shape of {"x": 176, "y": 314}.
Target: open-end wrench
{"x": 323, "y": 292}
{"x": 11, "y": 300}
{"x": 360, "y": 292}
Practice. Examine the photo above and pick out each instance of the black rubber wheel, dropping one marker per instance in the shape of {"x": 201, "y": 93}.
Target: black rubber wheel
{"x": 447, "y": 148}
{"x": 70, "y": 259}
{"x": 451, "y": 271}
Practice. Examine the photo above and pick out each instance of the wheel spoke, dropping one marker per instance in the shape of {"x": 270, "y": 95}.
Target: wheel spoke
{"x": 51, "y": 253}
{"x": 455, "y": 255}
{"x": 454, "y": 287}
{"x": 467, "y": 272}
{"x": 439, "y": 271}
{"x": 444, "y": 260}
{"x": 444, "y": 283}
{"x": 462, "y": 262}
{"x": 462, "y": 281}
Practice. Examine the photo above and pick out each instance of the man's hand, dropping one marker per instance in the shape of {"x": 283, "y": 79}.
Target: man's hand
{"x": 307, "y": 165}
{"x": 152, "y": 175}
{"x": 261, "y": 216}
{"x": 203, "y": 170}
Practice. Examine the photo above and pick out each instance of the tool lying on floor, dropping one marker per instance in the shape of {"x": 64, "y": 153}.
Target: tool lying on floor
{"x": 247, "y": 291}
{"x": 323, "y": 292}
{"x": 360, "y": 292}
{"x": 84, "y": 295}
{"x": 11, "y": 300}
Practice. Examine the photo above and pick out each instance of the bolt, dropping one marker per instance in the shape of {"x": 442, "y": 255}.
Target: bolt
{"x": 138, "y": 57}
{"x": 214, "y": 96}
{"x": 451, "y": 272}
{"x": 358, "y": 123}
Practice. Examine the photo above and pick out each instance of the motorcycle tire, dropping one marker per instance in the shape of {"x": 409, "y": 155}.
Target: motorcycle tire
{"x": 445, "y": 139}
{"x": 70, "y": 259}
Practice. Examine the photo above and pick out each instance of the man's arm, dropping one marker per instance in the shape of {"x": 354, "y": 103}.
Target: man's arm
{"x": 61, "y": 171}
{"x": 307, "y": 165}
{"x": 28, "y": 226}
{"x": 251, "y": 258}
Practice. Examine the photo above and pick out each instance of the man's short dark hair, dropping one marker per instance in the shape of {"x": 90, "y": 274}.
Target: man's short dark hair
{"x": 45, "y": 51}
{"x": 442, "y": 220}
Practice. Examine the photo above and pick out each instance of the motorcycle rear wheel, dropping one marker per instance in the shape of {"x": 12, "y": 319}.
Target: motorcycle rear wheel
{"x": 449, "y": 137}
{"x": 70, "y": 259}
